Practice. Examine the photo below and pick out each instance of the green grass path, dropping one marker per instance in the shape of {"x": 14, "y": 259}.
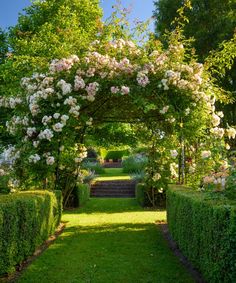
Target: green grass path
{"x": 112, "y": 174}
{"x": 108, "y": 241}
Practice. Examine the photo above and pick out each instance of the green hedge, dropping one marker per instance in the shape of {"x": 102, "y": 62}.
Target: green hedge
{"x": 205, "y": 230}
{"x": 141, "y": 195}
{"x": 27, "y": 219}
{"x": 113, "y": 154}
{"x": 82, "y": 194}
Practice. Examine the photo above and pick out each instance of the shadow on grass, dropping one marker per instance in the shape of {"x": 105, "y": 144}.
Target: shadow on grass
{"x": 111, "y": 205}
{"x": 122, "y": 252}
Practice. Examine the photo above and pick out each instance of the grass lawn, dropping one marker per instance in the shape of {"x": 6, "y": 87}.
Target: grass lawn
{"x": 108, "y": 241}
{"x": 113, "y": 174}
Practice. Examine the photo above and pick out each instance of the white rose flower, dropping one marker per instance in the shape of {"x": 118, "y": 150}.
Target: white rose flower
{"x": 78, "y": 160}
{"x": 205, "y": 154}
{"x": 46, "y": 134}
{"x": 2, "y": 172}
{"x": 64, "y": 119}
{"x": 46, "y": 119}
{"x": 35, "y": 144}
{"x": 58, "y": 127}
{"x": 164, "y": 109}
{"x": 50, "y": 160}
{"x": 31, "y": 131}
{"x": 56, "y": 115}
{"x": 215, "y": 120}
{"x": 79, "y": 83}
{"x": 231, "y": 132}
{"x": 227, "y": 146}
{"x": 187, "y": 111}
{"x": 125, "y": 90}
{"x": 174, "y": 153}
{"x": 156, "y": 177}
{"x": 34, "y": 158}
{"x": 115, "y": 89}
{"x": 65, "y": 87}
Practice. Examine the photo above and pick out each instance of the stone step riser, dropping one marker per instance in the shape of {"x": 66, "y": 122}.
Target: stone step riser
{"x": 113, "y": 184}
{"x": 113, "y": 191}
{"x": 110, "y": 193}
{"x": 113, "y": 187}
{"x": 109, "y": 196}
{"x": 118, "y": 188}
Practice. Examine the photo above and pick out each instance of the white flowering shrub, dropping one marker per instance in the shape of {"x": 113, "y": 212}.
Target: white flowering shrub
{"x": 52, "y": 113}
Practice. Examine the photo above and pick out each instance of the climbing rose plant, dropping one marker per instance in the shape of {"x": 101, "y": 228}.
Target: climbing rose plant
{"x": 54, "y": 109}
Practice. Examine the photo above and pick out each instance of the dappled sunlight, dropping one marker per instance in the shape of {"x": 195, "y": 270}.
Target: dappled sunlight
{"x": 112, "y": 178}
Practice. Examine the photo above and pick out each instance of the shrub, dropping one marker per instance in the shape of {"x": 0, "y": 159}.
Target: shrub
{"x": 138, "y": 176}
{"x": 141, "y": 195}
{"x": 116, "y": 154}
{"x": 82, "y": 194}
{"x": 4, "y": 185}
{"x": 205, "y": 230}
{"x": 27, "y": 219}
{"x": 87, "y": 176}
{"x": 90, "y": 159}
{"x": 93, "y": 166}
{"x": 134, "y": 164}
{"x": 113, "y": 154}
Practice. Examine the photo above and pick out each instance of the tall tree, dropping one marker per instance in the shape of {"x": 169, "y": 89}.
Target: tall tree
{"x": 48, "y": 29}
{"x": 3, "y": 45}
{"x": 55, "y": 28}
{"x": 210, "y": 21}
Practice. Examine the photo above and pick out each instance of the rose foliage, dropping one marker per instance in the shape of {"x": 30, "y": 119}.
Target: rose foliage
{"x": 169, "y": 96}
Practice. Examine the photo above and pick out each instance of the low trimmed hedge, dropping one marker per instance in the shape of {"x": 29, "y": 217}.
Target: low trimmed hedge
{"x": 82, "y": 194}
{"x": 113, "y": 154}
{"x": 27, "y": 219}
{"x": 205, "y": 231}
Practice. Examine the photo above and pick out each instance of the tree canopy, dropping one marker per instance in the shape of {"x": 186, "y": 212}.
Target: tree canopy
{"x": 209, "y": 22}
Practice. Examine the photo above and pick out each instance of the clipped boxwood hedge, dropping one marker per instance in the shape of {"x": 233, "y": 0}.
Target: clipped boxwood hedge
{"x": 27, "y": 219}
{"x": 82, "y": 194}
{"x": 205, "y": 231}
{"x": 113, "y": 154}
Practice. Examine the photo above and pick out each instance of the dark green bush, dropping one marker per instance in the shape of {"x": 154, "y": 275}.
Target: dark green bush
{"x": 27, "y": 219}
{"x": 58, "y": 195}
{"x": 3, "y": 185}
{"x": 205, "y": 230}
{"x": 116, "y": 154}
{"x": 82, "y": 194}
{"x": 90, "y": 159}
{"x": 144, "y": 194}
{"x": 141, "y": 195}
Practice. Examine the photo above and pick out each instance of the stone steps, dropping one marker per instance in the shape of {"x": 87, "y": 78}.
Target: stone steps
{"x": 119, "y": 188}
{"x": 112, "y": 165}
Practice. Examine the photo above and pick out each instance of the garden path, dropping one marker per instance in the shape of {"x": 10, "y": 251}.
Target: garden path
{"x": 109, "y": 241}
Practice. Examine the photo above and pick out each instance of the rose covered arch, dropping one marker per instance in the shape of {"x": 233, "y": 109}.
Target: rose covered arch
{"x": 114, "y": 81}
